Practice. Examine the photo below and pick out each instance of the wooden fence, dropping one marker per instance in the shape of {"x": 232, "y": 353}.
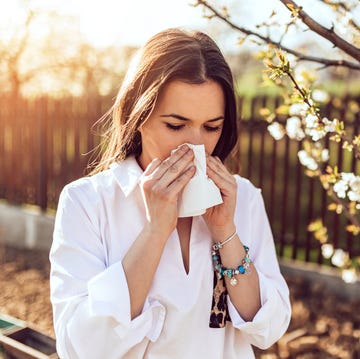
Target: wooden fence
{"x": 47, "y": 143}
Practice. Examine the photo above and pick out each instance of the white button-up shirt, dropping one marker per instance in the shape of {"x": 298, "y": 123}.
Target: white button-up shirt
{"x": 97, "y": 220}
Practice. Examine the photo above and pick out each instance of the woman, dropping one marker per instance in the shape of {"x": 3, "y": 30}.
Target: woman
{"x": 129, "y": 279}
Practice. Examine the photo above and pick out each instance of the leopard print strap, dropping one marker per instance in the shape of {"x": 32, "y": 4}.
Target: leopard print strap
{"x": 219, "y": 308}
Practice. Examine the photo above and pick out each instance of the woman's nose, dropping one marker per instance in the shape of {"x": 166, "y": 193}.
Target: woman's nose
{"x": 195, "y": 138}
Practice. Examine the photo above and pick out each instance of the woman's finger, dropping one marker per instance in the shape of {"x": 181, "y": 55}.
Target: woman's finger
{"x": 219, "y": 173}
{"x": 173, "y": 166}
{"x": 152, "y": 166}
{"x": 226, "y": 187}
{"x": 180, "y": 182}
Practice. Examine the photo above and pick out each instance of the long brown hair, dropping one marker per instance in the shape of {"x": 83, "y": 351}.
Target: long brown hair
{"x": 192, "y": 57}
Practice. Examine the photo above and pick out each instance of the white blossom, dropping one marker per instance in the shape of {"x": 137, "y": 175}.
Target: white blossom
{"x": 312, "y": 127}
{"x": 311, "y": 121}
{"x": 299, "y": 77}
{"x": 339, "y": 258}
{"x": 325, "y": 155}
{"x": 276, "y": 131}
{"x": 347, "y": 176}
{"x": 348, "y": 182}
{"x": 354, "y": 193}
{"x": 340, "y": 188}
{"x": 307, "y": 161}
{"x": 355, "y": 184}
{"x": 327, "y": 250}
{"x": 354, "y": 196}
{"x": 320, "y": 95}
{"x": 298, "y": 109}
{"x": 349, "y": 275}
{"x": 293, "y": 128}
{"x": 315, "y": 134}
{"x": 329, "y": 126}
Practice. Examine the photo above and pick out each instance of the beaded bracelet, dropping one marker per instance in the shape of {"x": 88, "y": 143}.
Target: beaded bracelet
{"x": 221, "y": 271}
{"x": 219, "y": 245}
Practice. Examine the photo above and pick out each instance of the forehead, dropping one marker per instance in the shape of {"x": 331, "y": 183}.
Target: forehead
{"x": 206, "y": 99}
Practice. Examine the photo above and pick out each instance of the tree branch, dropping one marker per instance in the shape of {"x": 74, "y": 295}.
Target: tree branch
{"x": 326, "y": 33}
{"x": 351, "y": 217}
{"x": 267, "y": 39}
{"x": 346, "y": 8}
{"x": 344, "y": 137}
{"x": 25, "y": 39}
{"x": 339, "y": 4}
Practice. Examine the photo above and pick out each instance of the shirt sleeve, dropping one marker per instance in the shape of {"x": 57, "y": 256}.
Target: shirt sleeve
{"x": 91, "y": 302}
{"x": 272, "y": 319}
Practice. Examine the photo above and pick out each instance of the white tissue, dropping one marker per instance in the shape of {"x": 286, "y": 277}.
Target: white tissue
{"x": 201, "y": 192}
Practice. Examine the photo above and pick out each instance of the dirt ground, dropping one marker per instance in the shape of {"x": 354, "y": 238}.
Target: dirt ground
{"x": 322, "y": 326}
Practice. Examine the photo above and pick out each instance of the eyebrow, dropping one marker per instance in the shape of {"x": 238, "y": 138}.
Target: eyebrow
{"x": 182, "y": 118}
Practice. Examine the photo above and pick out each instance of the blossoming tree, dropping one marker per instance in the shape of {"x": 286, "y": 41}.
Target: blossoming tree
{"x": 304, "y": 121}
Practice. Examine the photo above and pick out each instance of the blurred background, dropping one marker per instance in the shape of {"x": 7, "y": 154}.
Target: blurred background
{"x": 61, "y": 65}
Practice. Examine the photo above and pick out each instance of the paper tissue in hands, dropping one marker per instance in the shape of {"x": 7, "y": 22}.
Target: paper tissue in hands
{"x": 201, "y": 192}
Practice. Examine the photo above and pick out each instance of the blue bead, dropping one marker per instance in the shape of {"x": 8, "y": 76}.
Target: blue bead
{"x": 241, "y": 269}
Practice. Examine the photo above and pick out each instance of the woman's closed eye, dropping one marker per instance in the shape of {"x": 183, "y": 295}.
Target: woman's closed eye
{"x": 174, "y": 127}
{"x": 179, "y": 127}
{"x": 213, "y": 128}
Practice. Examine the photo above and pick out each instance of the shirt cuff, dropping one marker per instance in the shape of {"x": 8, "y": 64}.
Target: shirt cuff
{"x": 148, "y": 324}
{"x": 109, "y": 297}
{"x": 269, "y": 299}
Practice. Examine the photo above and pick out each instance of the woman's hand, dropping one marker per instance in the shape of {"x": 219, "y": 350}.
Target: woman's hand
{"x": 220, "y": 218}
{"x": 161, "y": 185}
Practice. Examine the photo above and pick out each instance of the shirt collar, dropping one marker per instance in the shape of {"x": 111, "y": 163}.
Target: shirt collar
{"x": 127, "y": 174}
